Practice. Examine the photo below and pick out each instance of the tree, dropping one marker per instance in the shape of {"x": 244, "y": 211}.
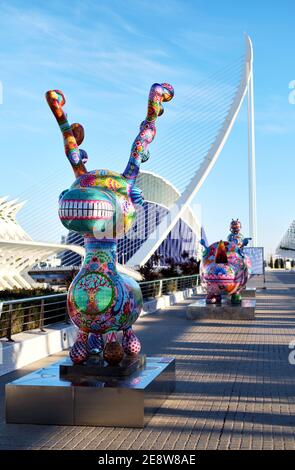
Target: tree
{"x": 156, "y": 258}
{"x": 69, "y": 276}
{"x": 148, "y": 272}
{"x": 184, "y": 255}
{"x": 271, "y": 262}
{"x": 282, "y": 263}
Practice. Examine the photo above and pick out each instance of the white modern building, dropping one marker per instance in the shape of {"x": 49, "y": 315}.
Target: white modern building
{"x": 286, "y": 247}
{"x": 18, "y": 252}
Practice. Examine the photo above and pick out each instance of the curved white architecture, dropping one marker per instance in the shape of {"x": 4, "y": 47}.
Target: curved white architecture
{"x": 18, "y": 252}
{"x": 286, "y": 248}
{"x": 158, "y": 190}
{"x": 180, "y": 206}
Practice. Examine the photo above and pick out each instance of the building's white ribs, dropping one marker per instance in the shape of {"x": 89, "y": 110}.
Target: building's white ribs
{"x": 18, "y": 252}
{"x": 9, "y": 228}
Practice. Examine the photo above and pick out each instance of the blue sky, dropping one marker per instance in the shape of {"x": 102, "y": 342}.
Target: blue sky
{"x": 104, "y": 55}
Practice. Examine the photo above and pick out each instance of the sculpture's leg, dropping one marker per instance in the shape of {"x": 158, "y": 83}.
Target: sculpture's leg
{"x": 80, "y": 351}
{"x": 131, "y": 343}
{"x": 236, "y": 298}
{"x": 95, "y": 343}
{"x": 113, "y": 352}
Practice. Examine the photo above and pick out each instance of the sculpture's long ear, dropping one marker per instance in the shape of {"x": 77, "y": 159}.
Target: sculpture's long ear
{"x": 139, "y": 153}
{"x": 206, "y": 248}
{"x": 73, "y": 135}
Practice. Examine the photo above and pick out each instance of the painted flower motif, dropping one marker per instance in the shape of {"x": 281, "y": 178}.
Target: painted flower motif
{"x": 219, "y": 271}
{"x": 138, "y": 145}
{"x": 157, "y": 98}
{"x": 87, "y": 180}
{"x": 94, "y": 266}
{"x": 123, "y": 318}
{"x": 125, "y": 206}
{"x": 212, "y": 251}
{"x": 113, "y": 184}
{"x": 127, "y": 307}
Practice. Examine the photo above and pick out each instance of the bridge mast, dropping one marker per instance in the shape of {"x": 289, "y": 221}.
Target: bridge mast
{"x": 251, "y": 145}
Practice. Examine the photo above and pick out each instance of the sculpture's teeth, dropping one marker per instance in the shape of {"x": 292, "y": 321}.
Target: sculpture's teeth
{"x": 75, "y": 209}
{"x": 75, "y": 212}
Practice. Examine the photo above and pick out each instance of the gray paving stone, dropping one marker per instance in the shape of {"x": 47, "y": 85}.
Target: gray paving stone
{"x": 235, "y": 387}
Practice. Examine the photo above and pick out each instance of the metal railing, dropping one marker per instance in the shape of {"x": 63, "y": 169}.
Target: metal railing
{"x": 158, "y": 287}
{"x": 22, "y": 315}
{"x": 31, "y": 313}
{"x": 71, "y": 267}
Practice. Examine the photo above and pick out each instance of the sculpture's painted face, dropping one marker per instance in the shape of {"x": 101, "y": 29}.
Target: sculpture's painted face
{"x": 235, "y": 226}
{"x": 223, "y": 269}
{"x": 99, "y": 204}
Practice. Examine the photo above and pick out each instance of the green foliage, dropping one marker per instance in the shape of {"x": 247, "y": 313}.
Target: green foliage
{"x": 15, "y": 294}
{"x": 24, "y": 316}
{"x": 68, "y": 278}
{"x": 277, "y": 263}
{"x": 150, "y": 271}
{"x": 282, "y": 263}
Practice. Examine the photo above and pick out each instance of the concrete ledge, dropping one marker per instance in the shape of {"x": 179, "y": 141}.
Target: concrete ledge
{"x": 165, "y": 301}
{"x": 200, "y": 310}
{"x": 33, "y": 345}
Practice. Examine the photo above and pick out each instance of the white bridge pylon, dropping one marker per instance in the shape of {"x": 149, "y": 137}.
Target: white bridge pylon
{"x": 180, "y": 206}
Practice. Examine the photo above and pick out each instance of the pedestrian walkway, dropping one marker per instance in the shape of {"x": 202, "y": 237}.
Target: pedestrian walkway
{"x": 235, "y": 387}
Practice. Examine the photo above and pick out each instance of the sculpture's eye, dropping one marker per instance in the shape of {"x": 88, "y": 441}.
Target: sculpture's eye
{"x": 62, "y": 194}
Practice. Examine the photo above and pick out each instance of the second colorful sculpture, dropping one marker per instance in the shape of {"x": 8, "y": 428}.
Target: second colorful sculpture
{"x": 225, "y": 268}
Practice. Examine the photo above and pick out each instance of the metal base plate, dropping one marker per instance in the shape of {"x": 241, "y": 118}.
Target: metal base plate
{"x": 42, "y": 397}
{"x": 95, "y": 366}
{"x": 224, "y": 311}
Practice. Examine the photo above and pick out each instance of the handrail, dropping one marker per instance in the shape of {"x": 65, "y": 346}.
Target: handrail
{"x": 29, "y": 299}
{"x": 25, "y": 314}
{"x": 170, "y": 279}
